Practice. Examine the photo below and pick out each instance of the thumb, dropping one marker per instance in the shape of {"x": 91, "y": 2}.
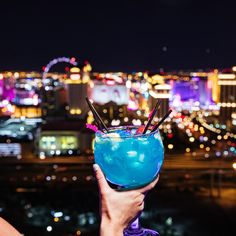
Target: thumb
{"x": 102, "y": 183}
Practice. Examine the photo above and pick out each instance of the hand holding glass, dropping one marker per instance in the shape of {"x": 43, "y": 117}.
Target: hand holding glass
{"x": 129, "y": 161}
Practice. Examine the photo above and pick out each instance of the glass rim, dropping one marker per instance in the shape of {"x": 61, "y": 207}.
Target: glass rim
{"x": 104, "y": 135}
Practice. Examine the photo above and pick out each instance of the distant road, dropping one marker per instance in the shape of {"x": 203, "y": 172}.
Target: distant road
{"x": 187, "y": 161}
{"x": 176, "y": 161}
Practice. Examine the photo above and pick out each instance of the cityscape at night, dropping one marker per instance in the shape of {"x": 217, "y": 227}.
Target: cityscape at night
{"x": 44, "y": 138}
{"x": 47, "y": 182}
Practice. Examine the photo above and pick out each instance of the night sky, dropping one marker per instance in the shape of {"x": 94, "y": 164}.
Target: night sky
{"x": 131, "y": 35}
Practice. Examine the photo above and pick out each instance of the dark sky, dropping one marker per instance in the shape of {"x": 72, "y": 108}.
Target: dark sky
{"x": 117, "y": 35}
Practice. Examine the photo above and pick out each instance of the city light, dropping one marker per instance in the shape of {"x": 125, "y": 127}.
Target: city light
{"x": 161, "y": 79}
{"x": 195, "y": 126}
{"x": 226, "y": 76}
{"x": 234, "y": 165}
{"x": 49, "y": 228}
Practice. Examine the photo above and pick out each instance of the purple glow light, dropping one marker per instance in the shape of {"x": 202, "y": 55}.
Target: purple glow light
{"x": 92, "y": 127}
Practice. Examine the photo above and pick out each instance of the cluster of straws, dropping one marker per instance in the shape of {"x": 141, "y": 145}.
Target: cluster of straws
{"x": 102, "y": 127}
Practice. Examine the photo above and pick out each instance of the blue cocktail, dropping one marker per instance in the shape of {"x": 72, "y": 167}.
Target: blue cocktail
{"x": 129, "y": 160}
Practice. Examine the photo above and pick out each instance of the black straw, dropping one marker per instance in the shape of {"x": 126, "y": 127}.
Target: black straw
{"x": 98, "y": 119}
{"x": 161, "y": 121}
{"x": 152, "y": 115}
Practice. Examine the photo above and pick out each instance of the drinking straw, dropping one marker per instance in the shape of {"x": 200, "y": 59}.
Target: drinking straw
{"x": 97, "y": 118}
{"x": 161, "y": 121}
{"x": 94, "y": 115}
{"x": 153, "y": 113}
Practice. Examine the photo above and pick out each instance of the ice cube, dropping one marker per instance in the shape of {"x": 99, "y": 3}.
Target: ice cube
{"x": 98, "y": 139}
{"x": 133, "y": 131}
{"x": 143, "y": 141}
{"x": 114, "y": 145}
{"x": 114, "y": 135}
{"x": 132, "y": 153}
{"x": 157, "y": 136}
{"x": 108, "y": 159}
{"x": 141, "y": 157}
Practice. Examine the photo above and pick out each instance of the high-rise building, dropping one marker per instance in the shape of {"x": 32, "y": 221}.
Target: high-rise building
{"x": 227, "y": 100}
{"x": 77, "y": 91}
{"x": 213, "y": 80}
{"x": 112, "y": 113}
{"x": 160, "y": 92}
{"x": 77, "y": 106}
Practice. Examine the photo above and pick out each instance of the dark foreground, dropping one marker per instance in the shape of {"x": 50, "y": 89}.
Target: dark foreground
{"x": 66, "y": 210}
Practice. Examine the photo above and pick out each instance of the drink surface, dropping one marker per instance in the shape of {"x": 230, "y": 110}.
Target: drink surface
{"x": 127, "y": 159}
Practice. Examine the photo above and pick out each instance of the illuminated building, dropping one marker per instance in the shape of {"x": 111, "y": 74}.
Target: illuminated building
{"x": 20, "y": 94}
{"x": 27, "y": 111}
{"x": 77, "y": 90}
{"x": 110, "y": 96}
{"x": 7, "y": 86}
{"x": 27, "y": 90}
{"x": 19, "y": 129}
{"x": 20, "y": 87}
{"x": 213, "y": 77}
{"x": 10, "y": 150}
{"x": 192, "y": 92}
{"x": 53, "y": 91}
{"x": 111, "y": 111}
{"x": 204, "y": 91}
{"x": 160, "y": 92}
{"x": 103, "y": 93}
{"x": 67, "y": 139}
{"x": 57, "y": 143}
{"x": 227, "y": 102}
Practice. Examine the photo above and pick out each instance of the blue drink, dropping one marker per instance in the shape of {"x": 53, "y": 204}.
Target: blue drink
{"x": 127, "y": 159}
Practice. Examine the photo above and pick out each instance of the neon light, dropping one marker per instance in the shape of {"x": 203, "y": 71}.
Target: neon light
{"x": 226, "y": 76}
{"x": 162, "y": 87}
{"x": 159, "y": 95}
{"x": 75, "y": 76}
{"x": 92, "y": 127}
{"x": 227, "y": 82}
{"x": 132, "y": 105}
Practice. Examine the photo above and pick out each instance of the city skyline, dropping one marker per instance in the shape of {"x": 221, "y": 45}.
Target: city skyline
{"x": 119, "y": 84}
{"x": 126, "y": 36}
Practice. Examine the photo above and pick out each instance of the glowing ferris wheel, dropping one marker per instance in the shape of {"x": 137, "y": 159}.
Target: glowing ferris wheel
{"x": 54, "y": 62}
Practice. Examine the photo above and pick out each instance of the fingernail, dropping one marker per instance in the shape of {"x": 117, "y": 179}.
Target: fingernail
{"x": 95, "y": 167}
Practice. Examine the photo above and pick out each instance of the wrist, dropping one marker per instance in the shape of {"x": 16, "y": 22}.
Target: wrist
{"x": 109, "y": 227}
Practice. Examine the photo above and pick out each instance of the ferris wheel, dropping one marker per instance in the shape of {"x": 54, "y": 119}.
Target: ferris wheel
{"x": 55, "y": 61}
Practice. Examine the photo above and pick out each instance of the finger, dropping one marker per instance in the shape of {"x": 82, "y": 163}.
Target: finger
{"x": 7, "y": 229}
{"x": 102, "y": 183}
{"x": 149, "y": 186}
{"x": 139, "y": 195}
{"x": 140, "y": 200}
{"x": 141, "y": 206}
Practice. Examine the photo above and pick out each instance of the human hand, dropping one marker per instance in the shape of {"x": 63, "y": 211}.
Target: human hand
{"x": 118, "y": 208}
{"x": 6, "y": 229}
